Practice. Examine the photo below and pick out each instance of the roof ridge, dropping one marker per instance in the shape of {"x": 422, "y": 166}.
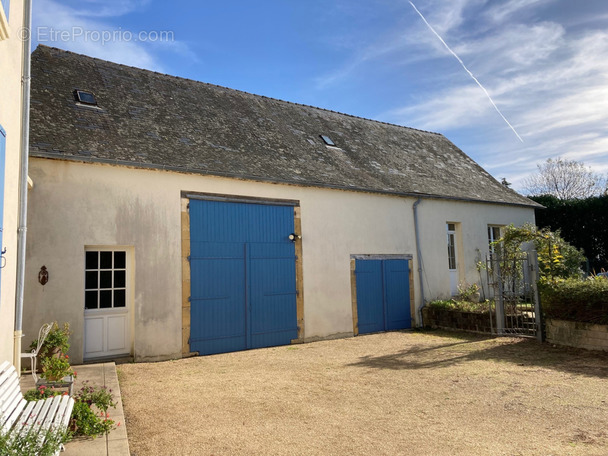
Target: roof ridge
{"x": 239, "y": 91}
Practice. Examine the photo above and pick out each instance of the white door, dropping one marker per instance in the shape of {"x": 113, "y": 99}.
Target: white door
{"x": 106, "y": 303}
{"x": 452, "y": 255}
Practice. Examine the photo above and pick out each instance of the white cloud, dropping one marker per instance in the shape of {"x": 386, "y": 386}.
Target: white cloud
{"x": 108, "y": 8}
{"x": 549, "y": 81}
{"x": 406, "y": 45}
{"x": 518, "y": 46}
{"x": 506, "y": 9}
{"x": 456, "y": 107}
{"x": 86, "y": 29}
{"x": 446, "y": 16}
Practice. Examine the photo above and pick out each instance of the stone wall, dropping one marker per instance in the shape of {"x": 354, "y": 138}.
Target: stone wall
{"x": 577, "y": 334}
{"x": 452, "y": 319}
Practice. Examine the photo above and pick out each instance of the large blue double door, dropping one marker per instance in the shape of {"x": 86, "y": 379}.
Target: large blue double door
{"x": 243, "y": 277}
{"x": 383, "y": 295}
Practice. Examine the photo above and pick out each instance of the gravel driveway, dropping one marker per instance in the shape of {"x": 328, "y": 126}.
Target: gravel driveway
{"x": 414, "y": 393}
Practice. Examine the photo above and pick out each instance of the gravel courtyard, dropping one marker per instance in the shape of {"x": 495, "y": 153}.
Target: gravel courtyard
{"x": 414, "y": 393}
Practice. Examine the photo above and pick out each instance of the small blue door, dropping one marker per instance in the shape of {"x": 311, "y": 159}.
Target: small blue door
{"x": 243, "y": 279}
{"x": 383, "y": 295}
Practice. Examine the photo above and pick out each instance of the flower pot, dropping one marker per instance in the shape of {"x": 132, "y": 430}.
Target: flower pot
{"x": 54, "y": 352}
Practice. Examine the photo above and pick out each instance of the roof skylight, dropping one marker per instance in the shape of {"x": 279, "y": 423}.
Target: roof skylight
{"x": 85, "y": 97}
{"x": 327, "y": 140}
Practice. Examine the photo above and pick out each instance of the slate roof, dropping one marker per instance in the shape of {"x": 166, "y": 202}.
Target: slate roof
{"x": 152, "y": 120}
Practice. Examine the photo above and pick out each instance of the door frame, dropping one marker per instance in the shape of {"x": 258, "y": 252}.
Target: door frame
{"x": 353, "y": 282}
{"x": 453, "y": 273}
{"x": 186, "y": 196}
{"x": 107, "y": 313}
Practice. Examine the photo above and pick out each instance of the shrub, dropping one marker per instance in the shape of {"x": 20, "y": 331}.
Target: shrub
{"x": 556, "y": 258}
{"x": 100, "y": 397}
{"x": 90, "y": 414}
{"x": 468, "y": 292}
{"x": 86, "y": 422}
{"x": 460, "y": 306}
{"x": 32, "y": 444}
{"x": 42, "y": 392}
{"x": 576, "y": 300}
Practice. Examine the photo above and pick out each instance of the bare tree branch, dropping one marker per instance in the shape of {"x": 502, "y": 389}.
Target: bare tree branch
{"x": 565, "y": 179}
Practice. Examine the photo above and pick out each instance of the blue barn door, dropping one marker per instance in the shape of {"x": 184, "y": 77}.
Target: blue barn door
{"x": 243, "y": 276}
{"x": 383, "y": 295}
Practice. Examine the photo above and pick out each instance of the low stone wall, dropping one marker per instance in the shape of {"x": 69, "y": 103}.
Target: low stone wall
{"x": 577, "y": 334}
{"x": 452, "y": 319}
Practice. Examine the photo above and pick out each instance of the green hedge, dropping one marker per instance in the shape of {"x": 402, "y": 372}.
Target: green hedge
{"x": 460, "y": 306}
{"x": 576, "y": 300}
{"x": 583, "y": 223}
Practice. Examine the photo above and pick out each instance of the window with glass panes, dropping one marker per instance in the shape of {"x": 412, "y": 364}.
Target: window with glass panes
{"x": 451, "y": 246}
{"x": 105, "y": 279}
{"x": 493, "y": 236}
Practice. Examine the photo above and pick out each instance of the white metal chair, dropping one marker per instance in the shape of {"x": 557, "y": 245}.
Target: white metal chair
{"x": 44, "y": 331}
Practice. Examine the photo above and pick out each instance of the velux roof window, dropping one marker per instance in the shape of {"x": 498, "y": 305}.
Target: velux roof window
{"x": 327, "y": 140}
{"x": 84, "y": 97}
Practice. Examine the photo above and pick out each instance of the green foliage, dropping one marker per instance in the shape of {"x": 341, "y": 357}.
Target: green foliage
{"x": 86, "y": 422}
{"x": 90, "y": 415}
{"x": 42, "y": 392}
{"x": 556, "y": 258}
{"x": 460, "y": 306}
{"x": 583, "y": 223}
{"x": 468, "y": 292}
{"x": 576, "y": 300}
{"x": 56, "y": 367}
{"x": 31, "y": 445}
{"x": 100, "y": 397}
{"x": 57, "y": 339}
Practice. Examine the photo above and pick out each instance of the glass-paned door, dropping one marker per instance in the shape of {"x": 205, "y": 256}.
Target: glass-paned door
{"x": 106, "y": 307}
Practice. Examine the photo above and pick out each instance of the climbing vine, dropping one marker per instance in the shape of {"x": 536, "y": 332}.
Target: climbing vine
{"x": 556, "y": 258}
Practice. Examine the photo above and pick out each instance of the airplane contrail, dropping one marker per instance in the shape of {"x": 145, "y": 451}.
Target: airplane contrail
{"x": 467, "y": 70}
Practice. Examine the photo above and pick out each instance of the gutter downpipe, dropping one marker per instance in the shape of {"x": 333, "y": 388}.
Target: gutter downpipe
{"x": 419, "y": 254}
{"x": 23, "y": 177}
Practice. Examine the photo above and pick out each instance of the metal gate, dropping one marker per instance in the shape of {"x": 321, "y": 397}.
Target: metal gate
{"x": 513, "y": 285}
{"x": 383, "y": 295}
{"x": 243, "y": 279}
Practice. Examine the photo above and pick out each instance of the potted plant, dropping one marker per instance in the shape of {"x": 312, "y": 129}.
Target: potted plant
{"x": 57, "y": 341}
{"x": 55, "y": 368}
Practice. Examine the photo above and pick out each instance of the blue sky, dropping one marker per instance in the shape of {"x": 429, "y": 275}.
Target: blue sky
{"x": 544, "y": 63}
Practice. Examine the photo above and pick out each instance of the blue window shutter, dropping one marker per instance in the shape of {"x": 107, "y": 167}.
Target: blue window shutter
{"x": 2, "y": 180}
{"x": 6, "y": 5}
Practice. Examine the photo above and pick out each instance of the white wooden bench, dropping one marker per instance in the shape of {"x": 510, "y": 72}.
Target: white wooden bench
{"x": 19, "y": 417}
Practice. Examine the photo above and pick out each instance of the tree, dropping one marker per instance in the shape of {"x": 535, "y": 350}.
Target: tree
{"x": 564, "y": 179}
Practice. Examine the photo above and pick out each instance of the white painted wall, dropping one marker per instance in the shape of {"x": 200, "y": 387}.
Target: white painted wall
{"x": 73, "y": 205}
{"x": 10, "y": 119}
